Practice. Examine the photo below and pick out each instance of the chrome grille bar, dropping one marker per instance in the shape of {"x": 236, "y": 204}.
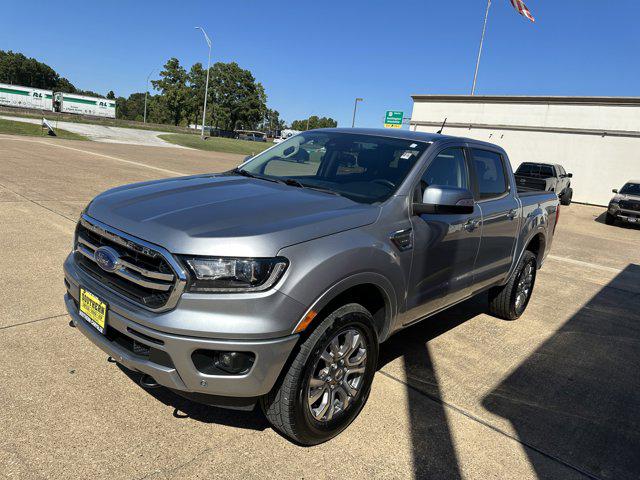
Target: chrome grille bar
{"x": 169, "y": 285}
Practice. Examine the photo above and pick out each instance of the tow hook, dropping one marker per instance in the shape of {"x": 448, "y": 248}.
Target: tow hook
{"x": 147, "y": 381}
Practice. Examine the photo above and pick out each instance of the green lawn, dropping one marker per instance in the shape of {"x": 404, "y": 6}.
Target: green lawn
{"x": 217, "y": 144}
{"x": 21, "y": 128}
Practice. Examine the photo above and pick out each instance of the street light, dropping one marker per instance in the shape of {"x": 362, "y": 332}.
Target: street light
{"x": 206, "y": 87}
{"x": 145, "y": 96}
{"x": 355, "y": 107}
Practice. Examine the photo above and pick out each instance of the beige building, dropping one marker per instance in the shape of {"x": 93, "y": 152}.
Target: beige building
{"x": 595, "y": 138}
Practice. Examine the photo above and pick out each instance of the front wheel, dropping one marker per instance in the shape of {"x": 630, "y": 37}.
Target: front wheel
{"x": 509, "y": 301}
{"x": 328, "y": 382}
{"x": 566, "y": 197}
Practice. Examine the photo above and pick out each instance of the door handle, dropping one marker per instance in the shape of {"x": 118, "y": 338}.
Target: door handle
{"x": 471, "y": 224}
{"x": 512, "y": 214}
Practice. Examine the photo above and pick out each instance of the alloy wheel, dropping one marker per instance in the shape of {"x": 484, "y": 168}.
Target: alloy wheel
{"x": 338, "y": 375}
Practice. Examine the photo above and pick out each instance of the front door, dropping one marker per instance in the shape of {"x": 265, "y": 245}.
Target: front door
{"x": 445, "y": 245}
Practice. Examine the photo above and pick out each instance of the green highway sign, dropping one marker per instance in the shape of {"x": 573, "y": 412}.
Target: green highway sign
{"x": 393, "y": 119}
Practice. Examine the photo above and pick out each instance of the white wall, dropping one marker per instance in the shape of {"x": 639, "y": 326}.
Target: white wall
{"x": 598, "y": 163}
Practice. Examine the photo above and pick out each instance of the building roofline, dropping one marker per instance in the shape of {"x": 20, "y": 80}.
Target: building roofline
{"x": 529, "y": 99}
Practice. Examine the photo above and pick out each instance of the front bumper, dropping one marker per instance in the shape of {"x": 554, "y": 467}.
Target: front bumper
{"x": 631, "y": 216}
{"x": 170, "y": 362}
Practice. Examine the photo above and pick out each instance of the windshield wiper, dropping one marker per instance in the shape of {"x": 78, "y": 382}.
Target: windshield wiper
{"x": 295, "y": 183}
{"x": 248, "y": 174}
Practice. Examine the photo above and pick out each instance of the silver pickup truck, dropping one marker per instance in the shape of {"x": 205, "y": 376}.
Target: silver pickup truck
{"x": 275, "y": 283}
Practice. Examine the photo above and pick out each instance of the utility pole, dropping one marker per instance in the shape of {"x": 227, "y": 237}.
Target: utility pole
{"x": 145, "y": 95}
{"x": 206, "y": 87}
{"x": 484, "y": 29}
{"x": 355, "y": 108}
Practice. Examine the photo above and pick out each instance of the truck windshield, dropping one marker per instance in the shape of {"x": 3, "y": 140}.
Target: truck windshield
{"x": 364, "y": 168}
{"x": 535, "y": 170}
{"x": 631, "y": 189}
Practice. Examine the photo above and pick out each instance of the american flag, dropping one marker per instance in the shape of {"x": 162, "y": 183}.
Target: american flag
{"x": 522, "y": 9}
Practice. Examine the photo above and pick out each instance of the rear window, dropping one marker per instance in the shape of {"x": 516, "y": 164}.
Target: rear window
{"x": 535, "y": 170}
{"x": 489, "y": 167}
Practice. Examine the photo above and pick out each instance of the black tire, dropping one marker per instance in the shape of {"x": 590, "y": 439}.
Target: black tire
{"x": 566, "y": 197}
{"x": 286, "y": 406}
{"x": 503, "y": 300}
{"x": 610, "y": 219}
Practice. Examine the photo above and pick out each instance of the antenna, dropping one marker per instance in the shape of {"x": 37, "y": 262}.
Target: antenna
{"x": 442, "y": 127}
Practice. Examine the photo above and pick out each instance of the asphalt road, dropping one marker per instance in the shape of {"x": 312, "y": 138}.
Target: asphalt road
{"x": 555, "y": 394}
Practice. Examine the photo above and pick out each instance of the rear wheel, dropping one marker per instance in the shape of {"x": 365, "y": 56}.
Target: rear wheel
{"x": 509, "y": 301}
{"x": 328, "y": 381}
{"x": 610, "y": 219}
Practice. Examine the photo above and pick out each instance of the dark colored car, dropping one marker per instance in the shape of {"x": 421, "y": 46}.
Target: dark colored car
{"x": 545, "y": 176}
{"x": 625, "y": 205}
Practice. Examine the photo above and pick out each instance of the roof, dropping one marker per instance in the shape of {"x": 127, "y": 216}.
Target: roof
{"x": 389, "y": 132}
{"x": 634, "y": 101}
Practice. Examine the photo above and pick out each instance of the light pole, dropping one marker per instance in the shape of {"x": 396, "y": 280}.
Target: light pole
{"x": 355, "y": 107}
{"x": 146, "y": 91}
{"x": 206, "y": 87}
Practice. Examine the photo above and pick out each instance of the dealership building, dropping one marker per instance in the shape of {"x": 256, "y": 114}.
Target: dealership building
{"x": 595, "y": 138}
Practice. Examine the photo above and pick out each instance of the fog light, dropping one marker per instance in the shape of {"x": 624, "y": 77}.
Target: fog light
{"x": 235, "y": 362}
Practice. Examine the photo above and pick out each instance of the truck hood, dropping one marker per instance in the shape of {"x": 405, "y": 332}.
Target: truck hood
{"x": 226, "y": 215}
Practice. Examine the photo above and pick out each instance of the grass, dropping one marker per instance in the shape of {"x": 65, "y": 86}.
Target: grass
{"x": 216, "y": 144}
{"x": 20, "y": 128}
{"x": 111, "y": 122}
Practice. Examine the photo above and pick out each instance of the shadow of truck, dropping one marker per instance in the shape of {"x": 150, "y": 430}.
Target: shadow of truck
{"x": 577, "y": 397}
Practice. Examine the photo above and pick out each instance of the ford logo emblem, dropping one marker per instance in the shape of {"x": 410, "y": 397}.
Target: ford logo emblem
{"x": 107, "y": 258}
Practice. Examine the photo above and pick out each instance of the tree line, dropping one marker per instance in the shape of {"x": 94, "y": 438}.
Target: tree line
{"x": 235, "y": 99}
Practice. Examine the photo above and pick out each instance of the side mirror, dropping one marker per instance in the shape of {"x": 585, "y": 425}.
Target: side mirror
{"x": 615, "y": 190}
{"x": 570, "y": 175}
{"x": 442, "y": 200}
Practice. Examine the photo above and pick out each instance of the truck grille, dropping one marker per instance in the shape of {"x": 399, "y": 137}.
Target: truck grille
{"x": 146, "y": 274}
{"x": 630, "y": 205}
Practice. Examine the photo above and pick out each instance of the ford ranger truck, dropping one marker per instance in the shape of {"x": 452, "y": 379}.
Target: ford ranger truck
{"x": 276, "y": 282}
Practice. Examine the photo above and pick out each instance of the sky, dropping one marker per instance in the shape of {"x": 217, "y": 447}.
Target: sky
{"x": 315, "y": 58}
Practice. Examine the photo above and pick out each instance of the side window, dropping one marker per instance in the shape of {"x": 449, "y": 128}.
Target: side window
{"x": 449, "y": 168}
{"x": 492, "y": 181}
{"x": 561, "y": 170}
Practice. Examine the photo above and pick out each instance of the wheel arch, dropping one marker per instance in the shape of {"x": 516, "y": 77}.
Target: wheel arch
{"x": 372, "y": 290}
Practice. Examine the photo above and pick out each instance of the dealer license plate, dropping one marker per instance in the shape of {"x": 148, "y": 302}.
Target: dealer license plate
{"x": 93, "y": 310}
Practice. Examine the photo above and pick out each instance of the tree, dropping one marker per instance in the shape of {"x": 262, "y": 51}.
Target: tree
{"x": 237, "y": 100}
{"x": 131, "y": 108}
{"x": 17, "y": 69}
{"x": 272, "y": 122}
{"x": 173, "y": 88}
{"x": 197, "y": 81}
{"x": 314, "y": 122}
{"x": 111, "y": 95}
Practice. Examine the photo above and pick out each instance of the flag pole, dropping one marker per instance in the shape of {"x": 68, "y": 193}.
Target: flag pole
{"x": 484, "y": 28}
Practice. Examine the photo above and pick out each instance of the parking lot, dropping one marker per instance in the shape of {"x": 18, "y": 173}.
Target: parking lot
{"x": 555, "y": 394}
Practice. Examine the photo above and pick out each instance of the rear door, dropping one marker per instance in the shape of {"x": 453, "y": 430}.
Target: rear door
{"x": 500, "y": 219}
{"x": 445, "y": 245}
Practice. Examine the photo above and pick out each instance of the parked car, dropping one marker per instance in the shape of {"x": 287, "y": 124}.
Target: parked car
{"x": 252, "y": 136}
{"x": 625, "y": 205}
{"x": 545, "y": 176}
{"x": 277, "y": 281}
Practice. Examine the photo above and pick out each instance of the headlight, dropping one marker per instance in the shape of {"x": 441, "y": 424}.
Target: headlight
{"x": 213, "y": 274}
